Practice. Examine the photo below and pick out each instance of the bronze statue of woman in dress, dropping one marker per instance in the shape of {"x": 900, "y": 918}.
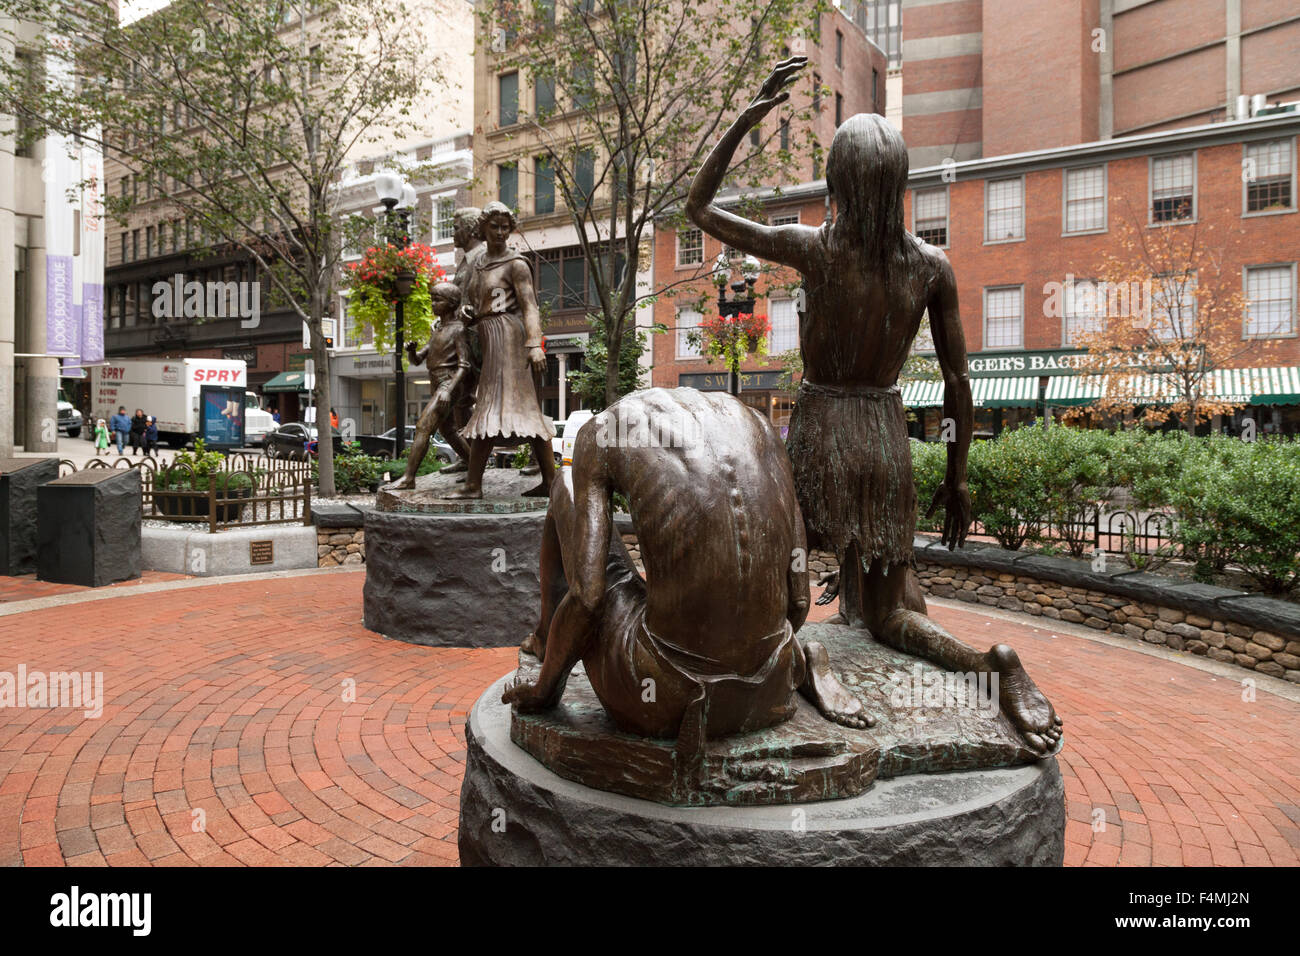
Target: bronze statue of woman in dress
{"x": 868, "y": 283}
{"x": 502, "y": 307}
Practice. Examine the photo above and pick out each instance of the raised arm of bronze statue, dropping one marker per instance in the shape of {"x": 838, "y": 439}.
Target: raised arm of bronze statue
{"x": 950, "y": 348}
{"x": 788, "y": 245}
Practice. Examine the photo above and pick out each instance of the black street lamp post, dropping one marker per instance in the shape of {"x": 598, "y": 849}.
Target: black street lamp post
{"x": 730, "y": 308}
{"x": 398, "y": 199}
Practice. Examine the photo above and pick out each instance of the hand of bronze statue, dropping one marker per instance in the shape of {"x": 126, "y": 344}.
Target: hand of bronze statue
{"x": 955, "y": 498}
{"x": 467, "y": 314}
{"x": 537, "y": 358}
{"x": 774, "y": 90}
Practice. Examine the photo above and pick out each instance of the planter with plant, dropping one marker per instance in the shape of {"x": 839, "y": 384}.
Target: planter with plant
{"x": 182, "y": 489}
{"x": 371, "y": 286}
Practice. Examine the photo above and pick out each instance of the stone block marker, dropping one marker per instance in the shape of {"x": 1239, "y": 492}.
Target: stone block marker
{"x": 88, "y": 527}
{"x": 19, "y": 479}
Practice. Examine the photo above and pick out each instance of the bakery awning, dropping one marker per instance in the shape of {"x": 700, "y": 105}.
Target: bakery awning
{"x": 1243, "y": 386}
{"x": 923, "y": 394}
{"x": 1015, "y": 392}
{"x": 287, "y": 382}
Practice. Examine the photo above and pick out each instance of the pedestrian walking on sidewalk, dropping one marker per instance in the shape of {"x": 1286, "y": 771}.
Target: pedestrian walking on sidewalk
{"x": 139, "y": 423}
{"x": 120, "y": 426}
{"x": 101, "y": 438}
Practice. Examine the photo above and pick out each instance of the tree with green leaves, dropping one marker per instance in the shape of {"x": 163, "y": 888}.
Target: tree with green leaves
{"x": 237, "y": 117}
{"x": 635, "y": 94}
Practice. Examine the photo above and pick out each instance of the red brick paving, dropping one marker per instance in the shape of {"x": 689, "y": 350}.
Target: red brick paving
{"x": 230, "y": 701}
{"x": 27, "y": 588}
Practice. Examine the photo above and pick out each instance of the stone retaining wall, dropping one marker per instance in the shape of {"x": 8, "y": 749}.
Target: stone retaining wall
{"x": 336, "y": 546}
{"x": 1178, "y": 630}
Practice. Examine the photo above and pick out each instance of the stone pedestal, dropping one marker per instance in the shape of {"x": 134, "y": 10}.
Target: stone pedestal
{"x": 453, "y": 573}
{"x": 514, "y": 811}
{"x": 19, "y": 479}
{"x": 88, "y": 527}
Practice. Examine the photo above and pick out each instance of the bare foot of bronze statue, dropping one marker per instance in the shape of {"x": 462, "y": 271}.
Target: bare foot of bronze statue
{"x": 1024, "y": 703}
{"x": 532, "y": 645}
{"x": 541, "y": 491}
{"x": 825, "y": 691}
{"x": 529, "y": 697}
{"x": 401, "y": 484}
{"x": 455, "y": 468}
{"x": 465, "y": 494}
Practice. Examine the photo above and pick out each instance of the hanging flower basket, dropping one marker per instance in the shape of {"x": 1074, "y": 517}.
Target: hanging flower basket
{"x": 373, "y": 283}
{"x": 732, "y": 338}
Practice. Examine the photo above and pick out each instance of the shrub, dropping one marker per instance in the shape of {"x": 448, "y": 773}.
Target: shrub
{"x": 194, "y": 471}
{"x": 929, "y": 463}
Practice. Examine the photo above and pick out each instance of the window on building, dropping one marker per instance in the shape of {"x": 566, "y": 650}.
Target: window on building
{"x": 584, "y": 174}
{"x": 817, "y": 92}
{"x": 786, "y": 219}
{"x": 1085, "y": 199}
{"x": 27, "y": 66}
{"x": 839, "y": 109}
{"x": 1270, "y": 176}
{"x": 508, "y": 99}
{"x": 1004, "y": 203}
{"x": 445, "y": 227}
{"x": 1085, "y": 312}
{"x": 785, "y": 326}
{"x": 544, "y": 96}
{"x": 785, "y": 134}
{"x": 1270, "y": 293}
{"x": 315, "y": 63}
{"x": 545, "y": 10}
{"x": 839, "y": 49}
{"x": 690, "y": 247}
{"x": 126, "y": 247}
{"x": 583, "y": 86}
{"x": 176, "y": 235}
{"x": 135, "y": 244}
{"x": 930, "y": 215}
{"x": 1004, "y": 318}
{"x": 755, "y": 135}
{"x": 1173, "y": 307}
{"x": 508, "y": 184}
{"x": 543, "y": 186}
{"x": 1173, "y": 188}
{"x": 882, "y": 21}
{"x": 687, "y": 319}
{"x": 816, "y": 160}
{"x": 875, "y": 87}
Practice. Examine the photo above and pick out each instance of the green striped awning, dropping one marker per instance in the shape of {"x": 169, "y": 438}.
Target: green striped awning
{"x": 1016, "y": 392}
{"x": 923, "y": 394}
{"x": 1245, "y": 386}
{"x": 1072, "y": 390}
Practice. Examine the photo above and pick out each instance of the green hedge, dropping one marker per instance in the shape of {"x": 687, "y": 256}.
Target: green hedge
{"x": 1232, "y": 502}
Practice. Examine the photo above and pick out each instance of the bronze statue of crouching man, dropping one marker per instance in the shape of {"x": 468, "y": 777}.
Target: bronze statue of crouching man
{"x": 705, "y": 645}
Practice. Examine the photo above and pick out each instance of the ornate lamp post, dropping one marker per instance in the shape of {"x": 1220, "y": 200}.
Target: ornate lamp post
{"x": 730, "y": 308}
{"x": 398, "y": 198}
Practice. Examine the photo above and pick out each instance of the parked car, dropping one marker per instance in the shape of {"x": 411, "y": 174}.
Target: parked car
{"x": 566, "y": 434}
{"x": 298, "y": 441}
{"x": 384, "y": 445}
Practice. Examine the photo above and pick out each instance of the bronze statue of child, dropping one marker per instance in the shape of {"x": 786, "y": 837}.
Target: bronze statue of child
{"x": 447, "y": 357}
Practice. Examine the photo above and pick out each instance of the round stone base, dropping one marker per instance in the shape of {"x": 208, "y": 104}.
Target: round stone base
{"x": 453, "y": 580}
{"x": 515, "y": 812}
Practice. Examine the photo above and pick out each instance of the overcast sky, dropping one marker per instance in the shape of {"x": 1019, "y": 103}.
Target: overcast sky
{"x": 135, "y": 9}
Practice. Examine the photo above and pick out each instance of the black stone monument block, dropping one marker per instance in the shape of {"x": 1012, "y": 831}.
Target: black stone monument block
{"x": 19, "y": 479}
{"x": 89, "y": 527}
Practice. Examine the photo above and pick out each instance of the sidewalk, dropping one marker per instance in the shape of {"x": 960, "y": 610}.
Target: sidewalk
{"x": 258, "y": 722}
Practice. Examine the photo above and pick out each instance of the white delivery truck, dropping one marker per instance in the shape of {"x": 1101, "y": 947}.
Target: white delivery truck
{"x": 191, "y": 398}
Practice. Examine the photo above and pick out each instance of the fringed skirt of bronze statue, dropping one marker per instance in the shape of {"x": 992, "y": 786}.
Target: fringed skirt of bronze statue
{"x": 853, "y": 470}
{"x": 505, "y": 404}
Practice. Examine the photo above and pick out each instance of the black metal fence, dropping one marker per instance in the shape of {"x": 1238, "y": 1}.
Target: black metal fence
{"x": 246, "y": 491}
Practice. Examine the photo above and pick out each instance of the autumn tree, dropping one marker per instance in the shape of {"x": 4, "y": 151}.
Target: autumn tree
{"x": 1160, "y": 320}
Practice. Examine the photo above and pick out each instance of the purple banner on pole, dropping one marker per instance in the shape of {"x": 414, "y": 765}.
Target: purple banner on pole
{"x": 61, "y": 321}
{"x": 92, "y": 326}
